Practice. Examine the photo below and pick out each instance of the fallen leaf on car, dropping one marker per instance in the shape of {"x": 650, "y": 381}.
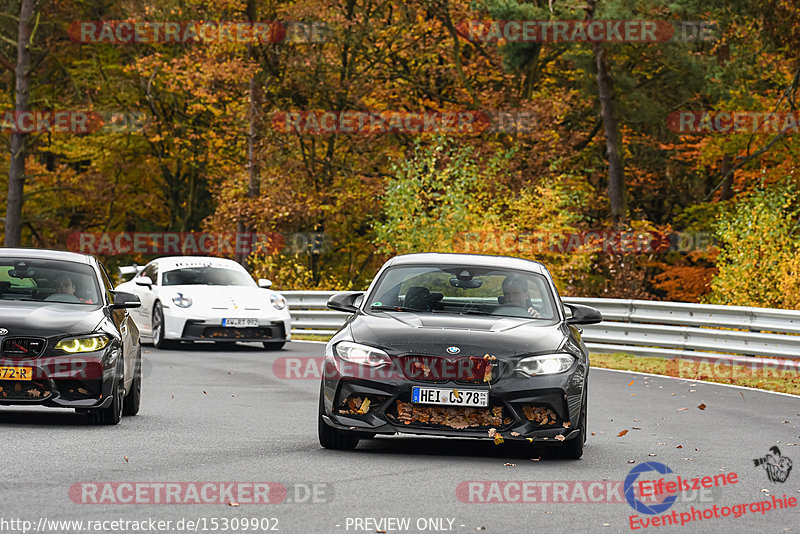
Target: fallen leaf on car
{"x": 566, "y": 424}
{"x": 233, "y": 503}
{"x": 492, "y": 432}
{"x": 702, "y": 406}
{"x": 489, "y": 357}
{"x": 498, "y": 439}
{"x": 515, "y": 434}
{"x": 622, "y": 433}
{"x": 487, "y": 375}
{"x": 560, "y": 437}
{"x": 364, "y": 407}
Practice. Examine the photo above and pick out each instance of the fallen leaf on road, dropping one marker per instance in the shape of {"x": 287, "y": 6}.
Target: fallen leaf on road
{"x": 594, "y": 433}
{"x": 126, "y": 458}
{"x": 233, "y": 504}
{"x": 702, "y": 406}
{"x": 679, "y": 447}
{"x": 231, "y": 373}
{"x": 637, "y": 428}
{"x": 204, "y": 392}
{"x": 622, "y": 433}
{"x": 539, "y": 459}
{"x": 651, "y": 454}
{"x": 632, "y": 381}
{"x": 784, "y": 422}
{"x": 681, "y": 409}
{"x": 631, "y": 461}
{"x": 509, "y": 465}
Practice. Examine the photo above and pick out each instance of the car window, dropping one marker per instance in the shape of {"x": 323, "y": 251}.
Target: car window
{"x": 48, "y": 281}
{"x": 109, "y": 287}
{"x": 460, "y": 289}
{"x": 151, "y": 271}
{"x": 207, "y": 275}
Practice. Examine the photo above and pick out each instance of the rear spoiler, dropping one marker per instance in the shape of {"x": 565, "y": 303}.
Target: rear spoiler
{"x": 127, "y": 270}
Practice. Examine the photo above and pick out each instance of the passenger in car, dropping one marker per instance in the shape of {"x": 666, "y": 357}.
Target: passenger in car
{"x": 515, "y": 293}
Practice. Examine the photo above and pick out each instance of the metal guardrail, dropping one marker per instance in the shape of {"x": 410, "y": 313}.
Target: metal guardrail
{"x": 639, "y": 327}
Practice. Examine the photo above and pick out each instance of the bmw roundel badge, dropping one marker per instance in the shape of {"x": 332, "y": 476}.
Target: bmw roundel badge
{"x": 453, "y": 350}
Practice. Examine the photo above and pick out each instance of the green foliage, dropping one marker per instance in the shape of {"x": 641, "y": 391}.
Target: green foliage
{"x": 759, "y": 260}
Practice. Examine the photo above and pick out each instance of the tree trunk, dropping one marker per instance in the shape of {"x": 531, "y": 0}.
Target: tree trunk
{"x": 253, "y": 136}
{"x": 16, "y": 172}
{"x": 605, "y": 90}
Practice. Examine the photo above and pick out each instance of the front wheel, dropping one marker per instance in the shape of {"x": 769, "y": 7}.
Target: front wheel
{"x": 159, "y": 339}
{"x": 331, "y": 438}
{"x": 273, "y": 345}
{"x": 131, "y": 404}
{"x": 113, "y": 414}
{"x": 573, "y": 449}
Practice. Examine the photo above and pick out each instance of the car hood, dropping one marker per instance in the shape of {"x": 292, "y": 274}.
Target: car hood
{"x": 223, "y": 297}
{"x": 429, "y": 333}
{"x": 44, "y": 319}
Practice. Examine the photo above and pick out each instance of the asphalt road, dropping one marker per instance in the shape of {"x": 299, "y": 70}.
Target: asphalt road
{"x": 223, "y": 416}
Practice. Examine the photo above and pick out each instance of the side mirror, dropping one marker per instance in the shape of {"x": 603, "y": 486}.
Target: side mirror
{"x": 345, "y": 301}
{"x": 143, "y": 281}
{"x": 125, "y": 300}
{"x": 583, "y": 314}
{"x": 263, "y": 282}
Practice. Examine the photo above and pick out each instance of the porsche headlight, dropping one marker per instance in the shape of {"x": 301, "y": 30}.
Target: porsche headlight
{"x": 277, "y": 301}
{"x": 82, "y": 344}
{"x": 361, "y": 354}
{"x": 547, "y": 364}
{"x": 182, "y": 301}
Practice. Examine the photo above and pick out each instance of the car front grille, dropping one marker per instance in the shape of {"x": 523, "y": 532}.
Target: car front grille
{"x": 22, "y": 347}
{"x": 197, "y": 330}
{"x": 436, "y": 369}
{"x": 28, "y": 390}
{"x": 453, "y": 417}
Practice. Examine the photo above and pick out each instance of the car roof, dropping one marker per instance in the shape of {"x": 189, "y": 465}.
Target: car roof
{"x": 176, "y": 262}
{"x": 45, "y": 254}
{"x": 478, "y": 260}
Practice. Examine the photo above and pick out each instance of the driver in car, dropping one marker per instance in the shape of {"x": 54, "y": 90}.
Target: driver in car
{"x": 515, "y": 293}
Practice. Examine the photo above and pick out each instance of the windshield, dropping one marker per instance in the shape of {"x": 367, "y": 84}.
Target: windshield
{"x": 463, "y": 289}
{"x": 48, "y": 281}
{"x": 207, "y": 276}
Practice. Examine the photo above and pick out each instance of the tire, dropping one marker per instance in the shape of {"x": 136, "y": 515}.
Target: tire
{"x": 130, "y": 405}
{"x": 113, "y": 414}
{"x": 159, "y": 341}
{"x": 331, "y": 438}
{"x": 273, "y": 345}
{"x": 573, "y": 449}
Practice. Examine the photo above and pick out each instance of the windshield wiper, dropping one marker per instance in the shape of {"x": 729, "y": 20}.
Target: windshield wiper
{"x": 395, "y": 308}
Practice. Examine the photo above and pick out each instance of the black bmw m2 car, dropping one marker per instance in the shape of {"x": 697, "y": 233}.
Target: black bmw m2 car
{"x": 66, "y": 338}
{"x": 457, "y": 345}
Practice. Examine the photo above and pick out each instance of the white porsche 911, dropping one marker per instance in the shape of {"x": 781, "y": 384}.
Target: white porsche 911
{"x": 198, "y": 298}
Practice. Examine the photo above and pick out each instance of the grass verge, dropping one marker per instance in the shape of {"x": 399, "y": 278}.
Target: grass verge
{"x": 764, "y": 377}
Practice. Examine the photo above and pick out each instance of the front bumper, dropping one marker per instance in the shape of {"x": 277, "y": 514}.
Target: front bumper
{"x": 191, "y": 326}
{"x": 516, "y": 405}
{"x": 64, "y": 381}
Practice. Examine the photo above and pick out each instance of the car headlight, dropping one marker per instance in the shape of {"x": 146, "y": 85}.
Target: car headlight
{"x": 547, "y": 364}
{"x": 182, "y": 301}
{"x": 361, "y": 354}
{"x": 82, "y": 344}
{"x": 277, "y": 301}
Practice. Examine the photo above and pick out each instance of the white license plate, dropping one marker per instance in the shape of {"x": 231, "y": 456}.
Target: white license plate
{"x": 450, "y": 396}
{"x": 240, "y": 322}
